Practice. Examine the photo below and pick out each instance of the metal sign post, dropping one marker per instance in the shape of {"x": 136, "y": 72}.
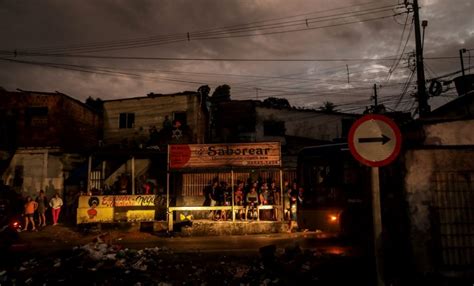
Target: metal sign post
{"x": 375, "y": 141}
{"x": 168, "y": 190}
{"x": 89, "y": 170}
{"x": 232, "y": 184}
{"x": 377, "y": 221}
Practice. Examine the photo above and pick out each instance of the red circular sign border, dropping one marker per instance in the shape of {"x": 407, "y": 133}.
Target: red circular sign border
{"x": 396, "y": 131}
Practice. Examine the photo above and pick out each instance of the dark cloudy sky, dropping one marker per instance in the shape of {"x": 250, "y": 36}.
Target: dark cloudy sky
{"x": 308, "y": 30}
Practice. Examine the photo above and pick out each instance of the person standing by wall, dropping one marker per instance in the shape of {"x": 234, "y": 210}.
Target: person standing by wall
{"x": 239, "y": 198}
{"x": 56, "y": 203}
{"x": 276, "y": 198}
{"x": 293, "y": 195}
{"x": 30, "y": 208}
{"x": 286, "y": 201}
{"x": 251, "y": 203}
{"x": 210, "y": 196}
{"x": 42, "y": 202}
{"x": 266, "y": 198}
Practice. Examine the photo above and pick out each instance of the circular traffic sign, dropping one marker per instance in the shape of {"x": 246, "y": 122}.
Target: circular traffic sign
{"x": 375, "y": 140}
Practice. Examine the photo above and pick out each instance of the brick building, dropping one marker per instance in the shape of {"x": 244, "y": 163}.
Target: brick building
{"x": 42, "y": 138}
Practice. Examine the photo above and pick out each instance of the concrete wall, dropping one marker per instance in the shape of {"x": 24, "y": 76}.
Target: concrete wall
{"x": 436, "y": 175}
{"x": 420, "y": 188}
{"x": 306, "y": 124}
{"x": 151, "y": 111}
{"x": 33, "y": 170}
{"x": 450, "y": 133}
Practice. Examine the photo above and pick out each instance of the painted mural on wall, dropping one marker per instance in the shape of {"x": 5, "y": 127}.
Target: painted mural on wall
{"x": 93, "y": 209}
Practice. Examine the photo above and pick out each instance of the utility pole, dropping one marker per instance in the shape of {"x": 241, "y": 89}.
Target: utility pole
{"x": 461, "y": 51}
{"x": 423, "y": 107}
{"x": 375, "y": 96}
{"x": 348, "y": 79}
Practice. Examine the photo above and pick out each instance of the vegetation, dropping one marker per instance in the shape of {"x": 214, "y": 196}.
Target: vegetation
{"x": 274, "y": 102}
{"x": 221, "y": 93}
{"x": 96, "y": 104}
{"x": 328, "y": 107}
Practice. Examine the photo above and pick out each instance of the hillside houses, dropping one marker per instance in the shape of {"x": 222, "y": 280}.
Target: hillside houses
{"x": 51, "y": 140}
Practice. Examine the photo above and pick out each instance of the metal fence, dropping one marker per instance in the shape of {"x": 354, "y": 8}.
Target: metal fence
{"x": 194, "y": 183}
{"x": 453, "y": 205}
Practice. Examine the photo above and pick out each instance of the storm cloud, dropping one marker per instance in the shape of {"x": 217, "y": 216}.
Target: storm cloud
{"x": 33, "y": 25}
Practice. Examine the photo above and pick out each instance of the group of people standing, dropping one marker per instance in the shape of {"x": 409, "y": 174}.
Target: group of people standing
{"x": 40, "y": 206}
{"x": 251, "y": 194}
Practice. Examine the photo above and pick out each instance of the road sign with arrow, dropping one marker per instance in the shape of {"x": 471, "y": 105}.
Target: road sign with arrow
{"x": 375, "y": 140}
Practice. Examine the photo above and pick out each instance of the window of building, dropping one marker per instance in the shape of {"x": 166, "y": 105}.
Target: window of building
{"x": 36, "y": 116}
{"x": 274, "y": 128}
{"x": 181, "y": 117}
{"x": 127, "y": 120}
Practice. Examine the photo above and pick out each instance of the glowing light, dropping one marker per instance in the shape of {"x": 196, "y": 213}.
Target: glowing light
{"x": 335, "y": 250}
{"x": 332, "y": 218}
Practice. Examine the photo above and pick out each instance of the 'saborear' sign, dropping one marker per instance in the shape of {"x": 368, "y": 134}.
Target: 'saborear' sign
{"x": 266, "y": 154}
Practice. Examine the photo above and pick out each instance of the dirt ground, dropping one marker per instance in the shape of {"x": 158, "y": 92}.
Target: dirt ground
{"x": 64, "y": 237}
{"x": 60, "y": 255}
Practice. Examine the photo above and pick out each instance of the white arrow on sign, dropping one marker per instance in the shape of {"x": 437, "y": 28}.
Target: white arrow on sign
{"x": 375, "y": 140}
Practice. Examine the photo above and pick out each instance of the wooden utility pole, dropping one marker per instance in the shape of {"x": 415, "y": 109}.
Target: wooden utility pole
{"x": 423, "y": 107}
{"x": 377, "y": 221}
{"x": 461, "y": 51}
{"x": 348, "y": 79}
{"x": 375, "y": 97}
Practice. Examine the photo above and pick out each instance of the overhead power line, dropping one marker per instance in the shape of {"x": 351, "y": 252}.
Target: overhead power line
{"x": 397, "y": 62}
{"x": 225, "y": 32}
{"x": 121, "y": 72}
{"x": 110, "y": 57}
{"x": 255, "y": 31}
{"x": 201, "y": 59}
{"x": 292, "y": 94}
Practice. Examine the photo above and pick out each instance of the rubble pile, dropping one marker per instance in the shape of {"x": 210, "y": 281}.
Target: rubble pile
{"x": 101, "y": 263}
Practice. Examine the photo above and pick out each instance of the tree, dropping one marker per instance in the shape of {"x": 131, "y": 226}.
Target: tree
{"x": 274, "y": 102}
{"x": 221, "y": 93}
{"x": 328, "y": 107}
{"x": 96, "y": 104}
{"x": 204, "y": 90}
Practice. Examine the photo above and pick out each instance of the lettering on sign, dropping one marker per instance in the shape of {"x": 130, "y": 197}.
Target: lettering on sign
{"x": 264, "y": 154}
{"x": 107, "y": 201}
{"x": 134, "y": 200}
{"x": 229, "y": 151}
{"x": 146, "y": 200}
